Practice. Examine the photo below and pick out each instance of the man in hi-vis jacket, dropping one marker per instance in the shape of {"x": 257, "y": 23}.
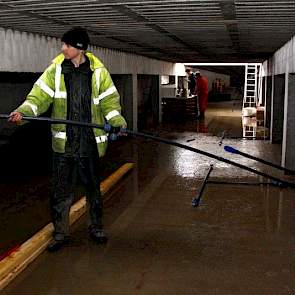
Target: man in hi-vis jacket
{"x": 79, "y": 88}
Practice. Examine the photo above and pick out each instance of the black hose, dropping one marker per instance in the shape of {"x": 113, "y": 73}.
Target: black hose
{"x": 276, "y": 180}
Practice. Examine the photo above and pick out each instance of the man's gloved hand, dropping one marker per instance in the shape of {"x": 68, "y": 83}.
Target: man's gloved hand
{"x": 114, "y": 132}
{"x": 122, "y": 131}
{"x": 15, "y": 117}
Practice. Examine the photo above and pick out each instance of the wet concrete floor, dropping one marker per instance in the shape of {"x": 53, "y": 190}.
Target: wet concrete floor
{"x": 241, "y": 240}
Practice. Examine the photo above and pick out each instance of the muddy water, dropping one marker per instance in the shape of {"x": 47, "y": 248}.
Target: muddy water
{"x": 239, "y": 241}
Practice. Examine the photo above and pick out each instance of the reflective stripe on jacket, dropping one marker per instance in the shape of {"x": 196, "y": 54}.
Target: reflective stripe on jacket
{"x": 50, "y": 89}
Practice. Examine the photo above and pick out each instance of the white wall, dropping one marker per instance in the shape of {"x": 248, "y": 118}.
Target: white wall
{"x": 26, "y": 52}
{"x": 277, "y": 64}
{"x": 211, "y": 76}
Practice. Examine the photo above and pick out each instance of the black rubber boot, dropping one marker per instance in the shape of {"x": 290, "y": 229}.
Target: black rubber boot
{"x": 97, "y": 235}
{"x": 56, "y": 245}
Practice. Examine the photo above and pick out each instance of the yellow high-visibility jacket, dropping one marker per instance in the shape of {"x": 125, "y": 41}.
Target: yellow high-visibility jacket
{"x": 50, "y": 89}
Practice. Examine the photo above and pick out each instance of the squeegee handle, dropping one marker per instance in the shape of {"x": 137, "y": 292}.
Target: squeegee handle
{"x": 278, "y": 181}
{"x": 105, "y": 127}
{"x": 232, "y": 150}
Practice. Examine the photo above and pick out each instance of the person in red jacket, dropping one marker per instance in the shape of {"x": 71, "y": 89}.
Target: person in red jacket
{"x": 201, "y": 91}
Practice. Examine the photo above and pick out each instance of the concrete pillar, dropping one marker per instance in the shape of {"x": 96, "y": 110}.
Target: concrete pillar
{"x": 160, "y": 99}
{"x": 128, "y": 99}
{"x": 263, "y": 91}
{"x": 277, "y": 110}
{"x": 135, "y": 102}
{"x": 156, "y": 102}
{"x": 288, "y": 146}
{"x": 151, "y": 92}
{"x": 268, "y": 101}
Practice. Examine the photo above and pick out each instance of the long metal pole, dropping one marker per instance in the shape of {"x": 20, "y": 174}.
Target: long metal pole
{"x": 57, "y": 121}
{"x": 235, "y": 151}
{"x": 239, "y": 183}
{"x": 276, "y": 180}
{"x": 196, "y": 201}
{"x": 222, "y": 138}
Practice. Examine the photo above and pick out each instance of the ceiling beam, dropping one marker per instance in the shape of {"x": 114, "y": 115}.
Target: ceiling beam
{"x": 228, "y": 10}
{"x": 141, "y": 19}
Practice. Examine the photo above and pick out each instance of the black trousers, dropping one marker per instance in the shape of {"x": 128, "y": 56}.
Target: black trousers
{"x": 67, "y": 173}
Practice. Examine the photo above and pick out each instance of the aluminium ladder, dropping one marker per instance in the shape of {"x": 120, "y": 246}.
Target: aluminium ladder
{"x": 252, "y": 92}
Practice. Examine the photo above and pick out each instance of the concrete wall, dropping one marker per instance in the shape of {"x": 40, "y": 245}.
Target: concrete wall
{"x": 280, "y": 69}
{"x": 289, "y": 142}
{"x": 285, "y": 55}
{"x": 10, "y": 96}
{"x": 268, "y": 101}
{"x": 14, "y": 87}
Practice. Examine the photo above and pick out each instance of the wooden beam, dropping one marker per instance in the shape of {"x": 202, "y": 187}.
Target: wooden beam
{"x": 16, "y": 262}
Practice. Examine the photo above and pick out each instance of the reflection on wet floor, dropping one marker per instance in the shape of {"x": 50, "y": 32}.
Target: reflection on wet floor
{"x": 219, "y": 117}
{"x": 240, "y": 240}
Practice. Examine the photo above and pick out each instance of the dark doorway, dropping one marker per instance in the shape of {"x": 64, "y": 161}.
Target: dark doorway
{"x": 148, "y": 101}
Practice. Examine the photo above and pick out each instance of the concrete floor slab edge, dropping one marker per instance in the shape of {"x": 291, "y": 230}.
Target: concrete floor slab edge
{"x": 16, "y": 262}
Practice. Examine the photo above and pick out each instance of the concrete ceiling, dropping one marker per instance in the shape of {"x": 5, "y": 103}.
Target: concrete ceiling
{"x": 172, "y": 30}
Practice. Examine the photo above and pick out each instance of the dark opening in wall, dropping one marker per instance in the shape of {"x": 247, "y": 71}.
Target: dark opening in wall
{"x": 148, "y": 101}
{"x": 278, "y": 108}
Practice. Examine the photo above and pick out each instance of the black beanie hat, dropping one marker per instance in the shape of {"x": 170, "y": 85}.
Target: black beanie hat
{"x": 76, "y": 37}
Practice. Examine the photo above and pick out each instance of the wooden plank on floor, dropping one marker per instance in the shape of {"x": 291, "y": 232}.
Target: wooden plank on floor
{"x": 16, "y": 262}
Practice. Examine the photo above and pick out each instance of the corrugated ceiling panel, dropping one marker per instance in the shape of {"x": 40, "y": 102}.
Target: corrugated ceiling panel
{"x": 247, "y": 29}
{"x": 34, "y": 53}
